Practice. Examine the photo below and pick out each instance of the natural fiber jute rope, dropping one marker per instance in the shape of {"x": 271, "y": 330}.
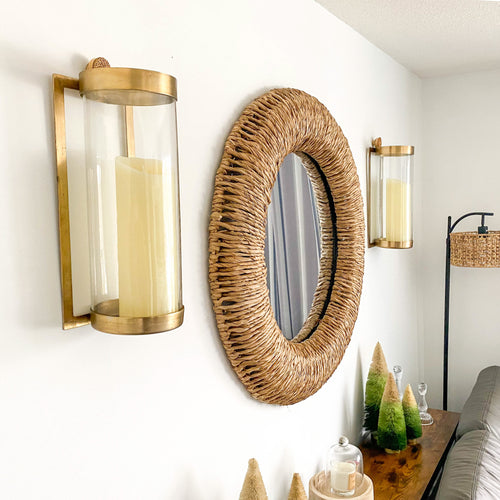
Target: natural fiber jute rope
{"x": 272, "y": 368}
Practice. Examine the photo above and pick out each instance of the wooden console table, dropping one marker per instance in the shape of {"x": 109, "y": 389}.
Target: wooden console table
{"x": 412, "y": 473}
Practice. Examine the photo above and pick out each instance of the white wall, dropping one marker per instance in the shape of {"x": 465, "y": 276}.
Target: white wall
{"x": 89, "y": 415}
{"x": 461, "y": 133}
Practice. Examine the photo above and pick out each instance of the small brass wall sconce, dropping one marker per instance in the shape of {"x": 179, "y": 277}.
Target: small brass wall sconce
{"x": 390, "y": 195}
{"x": 133, "y": 199}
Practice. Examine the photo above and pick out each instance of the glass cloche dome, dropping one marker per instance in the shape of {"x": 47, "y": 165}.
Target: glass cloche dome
{"x": 344, "y": 468}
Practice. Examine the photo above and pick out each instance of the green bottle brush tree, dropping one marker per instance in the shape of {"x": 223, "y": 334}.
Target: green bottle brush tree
{"x": 412, "y": 416}
{"x": 391, "y": 422}
{"x": 375, "y": 384}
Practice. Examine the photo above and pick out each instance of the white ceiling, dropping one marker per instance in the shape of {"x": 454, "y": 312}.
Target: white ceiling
{"x": 429, "y": 37}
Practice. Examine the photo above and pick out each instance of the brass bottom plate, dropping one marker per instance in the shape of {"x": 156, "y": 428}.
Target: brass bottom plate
{"x": 104, "y": 317}
{"x": 383, "y": 243}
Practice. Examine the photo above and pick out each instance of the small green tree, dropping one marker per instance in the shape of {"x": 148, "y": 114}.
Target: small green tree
{"x": 391, "y": 421}
{"x": 412, "y": 416}
{"x": 375, "y": 384}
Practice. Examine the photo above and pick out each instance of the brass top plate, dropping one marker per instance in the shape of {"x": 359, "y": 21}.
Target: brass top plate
{"x": 394, "y": 150}
{"x": 128, "y": 86}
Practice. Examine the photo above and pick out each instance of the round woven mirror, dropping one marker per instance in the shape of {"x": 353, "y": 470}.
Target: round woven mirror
{"x": 272, "y": 368}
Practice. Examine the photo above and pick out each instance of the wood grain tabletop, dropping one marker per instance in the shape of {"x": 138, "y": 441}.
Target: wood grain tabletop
{"x": 407, "y": 474}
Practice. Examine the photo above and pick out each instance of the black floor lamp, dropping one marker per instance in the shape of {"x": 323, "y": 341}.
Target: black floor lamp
{"x": 467, "y": 249}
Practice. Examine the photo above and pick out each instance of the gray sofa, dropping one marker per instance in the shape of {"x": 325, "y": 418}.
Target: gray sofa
{"x": 472, "y": 468}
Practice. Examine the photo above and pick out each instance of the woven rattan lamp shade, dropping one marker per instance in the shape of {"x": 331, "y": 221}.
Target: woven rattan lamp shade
{"x": 470, "y": 249}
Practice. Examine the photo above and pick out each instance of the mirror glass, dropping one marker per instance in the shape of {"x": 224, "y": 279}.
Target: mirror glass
{"x": 293, "y": 246}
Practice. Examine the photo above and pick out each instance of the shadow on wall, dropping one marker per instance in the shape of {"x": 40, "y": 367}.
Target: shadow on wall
{"x": 33, "y": 189}
{"x": 353, "y": 409}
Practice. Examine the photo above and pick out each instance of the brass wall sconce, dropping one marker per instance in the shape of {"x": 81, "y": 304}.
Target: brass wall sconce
{"x": 390, "y": 195}
{"x": 133, "y": 199}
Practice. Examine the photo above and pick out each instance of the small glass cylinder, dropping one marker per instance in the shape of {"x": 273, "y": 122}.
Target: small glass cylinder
{"x": 391, "y": 196}
{"x": 344, "y": 468}
{"x": 133, "y": 203}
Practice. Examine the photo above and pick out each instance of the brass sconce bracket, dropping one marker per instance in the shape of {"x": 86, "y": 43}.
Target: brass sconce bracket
{"x": 59, "y": 84}
{"x": 370, "y": 150}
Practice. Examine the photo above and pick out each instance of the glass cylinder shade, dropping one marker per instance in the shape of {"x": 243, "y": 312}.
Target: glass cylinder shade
{"x": 391, "y": 196}
{"x": 133, "y": 203}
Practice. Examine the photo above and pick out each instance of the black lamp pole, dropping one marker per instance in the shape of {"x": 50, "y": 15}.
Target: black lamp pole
{"x": 482, "y": 229}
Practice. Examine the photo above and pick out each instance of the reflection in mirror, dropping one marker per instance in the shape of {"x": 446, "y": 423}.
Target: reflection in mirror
{"x": 293, "y": 246}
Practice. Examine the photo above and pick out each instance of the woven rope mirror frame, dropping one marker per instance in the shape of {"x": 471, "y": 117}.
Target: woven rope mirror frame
{"x": 273, "y": 369}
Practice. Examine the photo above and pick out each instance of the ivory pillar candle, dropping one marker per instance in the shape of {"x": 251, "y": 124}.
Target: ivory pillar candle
{"x": 398, "y": 210}
{"x": 148, "y": 247}
{"x": 343, "y": 477}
